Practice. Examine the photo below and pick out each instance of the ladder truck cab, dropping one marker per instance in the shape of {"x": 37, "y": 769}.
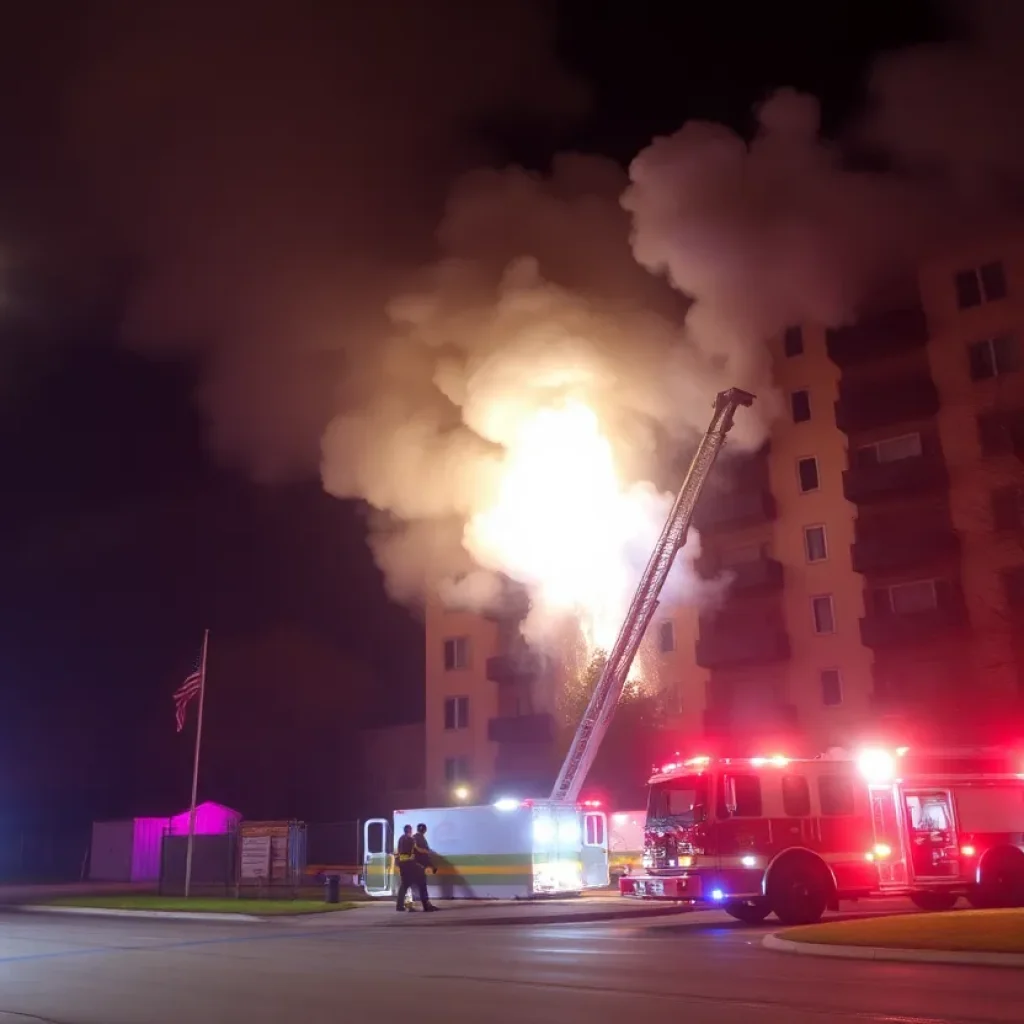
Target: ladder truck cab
{"x": 762, "y": 835}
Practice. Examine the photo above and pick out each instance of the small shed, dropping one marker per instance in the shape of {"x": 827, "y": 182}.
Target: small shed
{"x": 129, "y": 851}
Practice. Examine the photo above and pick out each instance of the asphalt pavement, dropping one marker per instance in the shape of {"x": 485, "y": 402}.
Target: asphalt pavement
{"x": 699, "y": 968}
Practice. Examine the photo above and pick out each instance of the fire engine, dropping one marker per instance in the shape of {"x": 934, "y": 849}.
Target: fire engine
{"x": 759, "y": 835}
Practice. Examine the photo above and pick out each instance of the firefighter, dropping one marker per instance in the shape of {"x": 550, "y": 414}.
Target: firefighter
{"x": 422, "y": 860}
{"x": 405, "y": 857}
{"x": 412, "y": 871}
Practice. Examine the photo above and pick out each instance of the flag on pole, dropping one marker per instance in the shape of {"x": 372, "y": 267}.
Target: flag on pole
{"x": 188, "y": 689}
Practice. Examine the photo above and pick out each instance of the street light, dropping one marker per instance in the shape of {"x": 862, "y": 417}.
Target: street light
{"x": 461, "y": 793}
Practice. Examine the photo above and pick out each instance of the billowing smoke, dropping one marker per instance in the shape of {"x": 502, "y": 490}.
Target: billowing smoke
{"x": 505, "y": 409}
{"x": 529, "y": 384}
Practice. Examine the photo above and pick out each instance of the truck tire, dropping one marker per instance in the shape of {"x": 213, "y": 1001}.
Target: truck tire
{"x": 1001, "y": 883}
{"x": 799, "y": 890}
{"x": 934, "y": 901}
{"x": 748, "y": 911}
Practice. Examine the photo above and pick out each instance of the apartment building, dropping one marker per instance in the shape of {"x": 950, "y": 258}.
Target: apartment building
{"x": 875, "y": 545}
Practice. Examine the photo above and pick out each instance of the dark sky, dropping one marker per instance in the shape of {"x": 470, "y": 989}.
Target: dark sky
{"x": 122, "y": 538}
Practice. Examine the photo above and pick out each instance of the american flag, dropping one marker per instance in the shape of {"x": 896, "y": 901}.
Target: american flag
{"x": 188, "y": 689}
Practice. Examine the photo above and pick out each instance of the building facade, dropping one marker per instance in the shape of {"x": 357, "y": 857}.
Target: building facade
{"x": 875, "y": 547}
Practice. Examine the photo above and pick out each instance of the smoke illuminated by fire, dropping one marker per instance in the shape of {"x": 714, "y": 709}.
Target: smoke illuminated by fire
{"x": 563, "y": 522}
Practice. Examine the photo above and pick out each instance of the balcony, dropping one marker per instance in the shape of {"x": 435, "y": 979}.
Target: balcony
{"x": 894, "y": 333}
{"x": 517, "y": 729}
{"x": 881, "y": 547}
{"x": 1001, "y": 432}
{"x": 755, "y": 576}
{"x": 879, "y": 631}
{"x": 727, "y": 642}
{"x": 904, "y": 400}
{"x": 507, "y": 669}
{"x": 748, "y": 718}
{"x": 734, "y": 510}
{"x": 870, "y": 483}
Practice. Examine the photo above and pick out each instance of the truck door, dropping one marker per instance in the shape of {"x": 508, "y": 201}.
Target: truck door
{"x": 932, "y": 835}
{"x": 377, "y": 857}
{"x": 595, "y": 850}
{"x": 890, "y": 850}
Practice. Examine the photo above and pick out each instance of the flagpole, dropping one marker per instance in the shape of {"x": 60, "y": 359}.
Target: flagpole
{"x": 195, "y": 767}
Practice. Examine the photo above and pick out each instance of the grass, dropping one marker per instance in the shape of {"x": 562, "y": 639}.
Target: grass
{"x": 976, "y": 931}
{"x": 203, "y": 904}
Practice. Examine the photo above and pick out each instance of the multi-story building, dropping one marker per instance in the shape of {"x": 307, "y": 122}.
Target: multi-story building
{"x": 874, "y": 544}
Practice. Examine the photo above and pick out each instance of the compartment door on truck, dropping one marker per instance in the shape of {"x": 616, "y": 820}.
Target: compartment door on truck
{"x": 932, "y": 834}
{"x": 595, "y": 850}
{"x": 377, "y": 854}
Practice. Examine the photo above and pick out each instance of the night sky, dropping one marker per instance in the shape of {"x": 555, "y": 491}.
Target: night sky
{"x": 123, "y": 537}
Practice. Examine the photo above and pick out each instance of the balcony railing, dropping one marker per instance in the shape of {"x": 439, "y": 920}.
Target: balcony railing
{"x": 866, "y": 484}
{"x": 894, "y": 333}
{"x": 755, "y": 576}
{"x": 883, "y": 631}
{"x": 902, "y": 545}
{"x": 725, "y": 642}
{"x": 514, "y": 668}
{"x": 517, "y": 729}
{"x": 746, "y": 718}
{"x": 903, "y": 400}
{"x": 734, "y": 510}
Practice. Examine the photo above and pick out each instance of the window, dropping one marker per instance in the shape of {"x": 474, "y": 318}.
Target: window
{"x": 666, "y": 637}
{"x": 892, "y": 449}
{"x": 800, "y": 404}
{"x": 456, "y": 770}
{"x": 793, "y": 341}
{"x": 836, "y": 795}
{"x": 908, "y": 598}
{"x": 594, "y": 830}
{"x": 831, "y": 687}
{"x": 744, "y": 792}
{"x": 456, "y": 712}
{"x": 993, "y": 357}
{"x": 456, "y": 653}
{"x": 796, "y": 796}
{"x": 1008, "y": 508}
{"x": 986, "y": 283}
{"x": 807, "y": 472}
{"x": 823, "y": 613}
{"x": 815, "y": 544}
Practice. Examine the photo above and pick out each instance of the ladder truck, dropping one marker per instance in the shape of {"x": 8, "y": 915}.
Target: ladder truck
{"x": 600, "y": 710}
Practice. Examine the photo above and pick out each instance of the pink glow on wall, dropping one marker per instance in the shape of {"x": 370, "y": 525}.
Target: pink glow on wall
{"x": 211, "y": 820}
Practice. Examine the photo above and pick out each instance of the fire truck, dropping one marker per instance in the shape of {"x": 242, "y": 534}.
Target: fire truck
{"x": 762, "y": 835}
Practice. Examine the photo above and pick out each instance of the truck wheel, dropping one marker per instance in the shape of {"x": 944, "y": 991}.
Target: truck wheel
{"x": 934, "y": 901}
{"x": 799, "y": 891}
{"x": 748, "y": 912}
{"x": 1002, "y": 881}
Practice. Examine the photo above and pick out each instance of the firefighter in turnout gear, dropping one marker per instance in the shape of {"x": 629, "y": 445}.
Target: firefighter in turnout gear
{"x": 411, "y": 872}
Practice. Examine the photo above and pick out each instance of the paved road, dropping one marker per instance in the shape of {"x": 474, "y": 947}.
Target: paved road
{"x": 696, "y": 968}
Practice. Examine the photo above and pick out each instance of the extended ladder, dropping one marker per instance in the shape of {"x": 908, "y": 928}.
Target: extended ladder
{"x": 605, "y": 698}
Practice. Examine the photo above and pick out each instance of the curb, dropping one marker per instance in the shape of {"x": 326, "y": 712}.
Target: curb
{"x": 918, "y": 956}
{"x": 173, "y": 915}
{"x": 584, "y": 917}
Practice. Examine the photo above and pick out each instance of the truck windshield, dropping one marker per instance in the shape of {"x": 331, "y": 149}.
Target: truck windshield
{"x": 681, "y": 801}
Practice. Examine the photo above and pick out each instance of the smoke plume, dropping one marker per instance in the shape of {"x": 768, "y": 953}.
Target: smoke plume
{"x": 285, "y": 185}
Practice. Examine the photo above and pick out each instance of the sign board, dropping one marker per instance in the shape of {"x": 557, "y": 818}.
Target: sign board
{"x": 255, "y": 858}
{"x": 279, "y": 858}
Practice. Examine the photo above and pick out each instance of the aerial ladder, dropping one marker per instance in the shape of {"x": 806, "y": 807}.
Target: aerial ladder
{"x": 601, "y": 708}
